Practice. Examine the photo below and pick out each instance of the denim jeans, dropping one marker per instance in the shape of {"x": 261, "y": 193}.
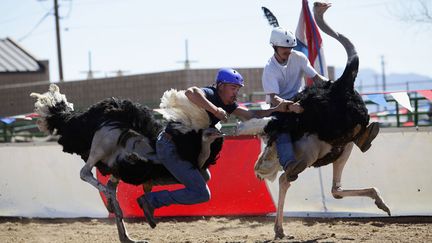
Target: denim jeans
{"x": 196, "y": 189}
{"x": 285, "y": 149}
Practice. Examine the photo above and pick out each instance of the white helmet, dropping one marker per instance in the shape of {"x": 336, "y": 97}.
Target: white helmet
{"x": 282, "y": 37}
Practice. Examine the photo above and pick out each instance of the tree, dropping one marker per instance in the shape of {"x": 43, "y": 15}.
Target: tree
{"x": 417, "y": 11}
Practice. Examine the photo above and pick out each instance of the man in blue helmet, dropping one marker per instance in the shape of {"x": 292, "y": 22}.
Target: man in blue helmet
{"x": 218, "y": 100}
{"x": 221, "y": 100}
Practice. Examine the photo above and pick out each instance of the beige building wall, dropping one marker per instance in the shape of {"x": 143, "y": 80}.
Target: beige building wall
{"x": 145, "y": 88}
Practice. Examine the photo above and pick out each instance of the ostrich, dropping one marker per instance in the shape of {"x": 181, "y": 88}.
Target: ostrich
{"x": 334, "y": 114}
{"x": 118, "y": 137}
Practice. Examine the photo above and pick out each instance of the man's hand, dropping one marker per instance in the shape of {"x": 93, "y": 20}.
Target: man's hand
{"x": 221, "y": 114}
{"x": 296, "y": 108}
{"x": 284, "y": 106}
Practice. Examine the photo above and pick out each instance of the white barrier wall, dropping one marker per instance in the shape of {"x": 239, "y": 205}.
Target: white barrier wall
{"x": 39, "y": 180}
{"x": 399, "y": 164}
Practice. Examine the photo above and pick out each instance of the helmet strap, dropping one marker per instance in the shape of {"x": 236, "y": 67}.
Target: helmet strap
{"x": 278, "y": 56}
{"x": 217, "y": 85}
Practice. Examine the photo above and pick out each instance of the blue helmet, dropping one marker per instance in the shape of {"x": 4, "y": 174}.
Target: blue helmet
{"x": 229, "y": 76}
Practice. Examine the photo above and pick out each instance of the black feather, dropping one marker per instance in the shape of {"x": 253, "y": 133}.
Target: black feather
{"x": 188, "y": 145}
{"x": 331, "y": 110}
{"x": 76, "y": 131}
{"x": 270, "y": 17}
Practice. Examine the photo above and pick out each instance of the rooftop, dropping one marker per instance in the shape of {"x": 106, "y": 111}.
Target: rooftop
{"x": 14, "y": 58}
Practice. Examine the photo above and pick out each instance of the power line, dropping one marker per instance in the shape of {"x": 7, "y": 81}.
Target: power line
{"x": 37, "y": 25}
{"x": 17, "y": 18}
{"x": 69, "y": 10}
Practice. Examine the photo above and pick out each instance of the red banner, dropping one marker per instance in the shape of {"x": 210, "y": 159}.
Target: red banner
{"x": 234, "y": 188}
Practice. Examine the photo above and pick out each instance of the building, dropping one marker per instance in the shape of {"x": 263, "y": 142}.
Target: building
{"x": 22, "y": 74}
{"x": 18, "y": 66}
{"x": 146, "y": 89}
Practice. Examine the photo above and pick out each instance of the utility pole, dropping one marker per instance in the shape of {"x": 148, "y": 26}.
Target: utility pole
{"x": 90, "y": 73}
{"x": 376, "y": 83}
{"x": 383, "y": 73}
{"x": 186, "y": 62}
{"x": 59, "y": 55}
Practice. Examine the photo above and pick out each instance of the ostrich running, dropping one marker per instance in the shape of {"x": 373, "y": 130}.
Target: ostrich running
{"x": 334, "y": 113}
{"x": 118, "y": 138}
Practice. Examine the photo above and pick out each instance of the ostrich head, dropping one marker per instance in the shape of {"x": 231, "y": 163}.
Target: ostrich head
{"x": 346, "y": 81}
{"x": 49, "y": 105}
{"x": 210, "y": 134}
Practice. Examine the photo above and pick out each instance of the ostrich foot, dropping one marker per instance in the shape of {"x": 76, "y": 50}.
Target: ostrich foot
{"x": 279, "y": 234}
{"x": 381, "y": 205}
{"x": 123, "y": 234}
{"x": 126, "y": 239}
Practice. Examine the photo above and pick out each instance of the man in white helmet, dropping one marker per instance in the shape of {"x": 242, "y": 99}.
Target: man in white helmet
{"x": 283, "y": 78}
{"x": 283, "y": 75}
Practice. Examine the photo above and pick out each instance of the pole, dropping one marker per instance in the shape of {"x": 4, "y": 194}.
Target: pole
{"x": 187, "y": 63}
{"x": 383, "y": 73}
{"x": 59, "y": 55}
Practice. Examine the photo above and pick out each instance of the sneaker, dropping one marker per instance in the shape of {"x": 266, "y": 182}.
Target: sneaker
{"x": 366, "y": 138}
{"x": 148, "y": 210}
{"x": 293, "y": 169}
{"x": 290, "y": 166}
{"x": 291, "y": 178}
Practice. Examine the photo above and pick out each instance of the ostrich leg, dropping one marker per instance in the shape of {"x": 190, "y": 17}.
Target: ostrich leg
{"x": 100, "y": 144}
{"x": 284, "y": 184}
{"x": 339, "y": 193}
{"x": 112, "y": 186}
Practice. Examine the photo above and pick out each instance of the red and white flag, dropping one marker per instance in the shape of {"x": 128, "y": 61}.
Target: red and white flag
{"x": 309, "y": 41}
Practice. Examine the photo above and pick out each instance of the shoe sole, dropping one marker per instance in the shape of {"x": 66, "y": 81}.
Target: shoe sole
{"x": 372, "y": 135}
{"x": 294, "y": 169}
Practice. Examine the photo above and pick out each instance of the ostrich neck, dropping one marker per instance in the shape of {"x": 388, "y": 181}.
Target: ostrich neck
{"x": 319, "y": 18}
{"x": 205, "y": 152}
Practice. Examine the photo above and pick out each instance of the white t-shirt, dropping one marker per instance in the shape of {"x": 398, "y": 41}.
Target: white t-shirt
{"x": 286, "y": 80}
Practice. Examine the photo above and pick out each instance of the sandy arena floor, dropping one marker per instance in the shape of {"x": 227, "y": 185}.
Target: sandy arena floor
{"x": 220, "y": 229}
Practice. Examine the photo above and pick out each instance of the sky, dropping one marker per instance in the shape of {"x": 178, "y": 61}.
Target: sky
{"x": 138, "y": 36}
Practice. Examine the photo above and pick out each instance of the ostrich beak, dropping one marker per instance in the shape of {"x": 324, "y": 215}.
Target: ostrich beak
{"x": 213, "y": 133}
{"x": 219, "y": 134}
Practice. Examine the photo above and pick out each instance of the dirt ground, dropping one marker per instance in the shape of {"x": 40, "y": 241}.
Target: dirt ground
{"x": 220, "y": 229}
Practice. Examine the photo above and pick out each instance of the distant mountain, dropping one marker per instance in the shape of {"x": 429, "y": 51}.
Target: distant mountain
{"x": 369, "y": 80}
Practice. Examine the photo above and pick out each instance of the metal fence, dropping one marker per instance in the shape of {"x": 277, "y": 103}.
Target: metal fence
{"x": 393, "y": 115}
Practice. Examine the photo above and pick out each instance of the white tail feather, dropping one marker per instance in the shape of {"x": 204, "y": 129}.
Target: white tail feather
{"x": 175, "y": 106}
{"x": 267, "y": 166}
{"x": 253, "y": 126}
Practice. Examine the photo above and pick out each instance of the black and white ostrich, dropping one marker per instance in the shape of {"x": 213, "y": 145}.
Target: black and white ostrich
{"x": 118, "y": 137}
{"x": 334, "y": 113}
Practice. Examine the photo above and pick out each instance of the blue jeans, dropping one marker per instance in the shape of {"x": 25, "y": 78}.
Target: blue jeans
{"x": 196, "y": 189}
{"x": 285, "y": 149}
